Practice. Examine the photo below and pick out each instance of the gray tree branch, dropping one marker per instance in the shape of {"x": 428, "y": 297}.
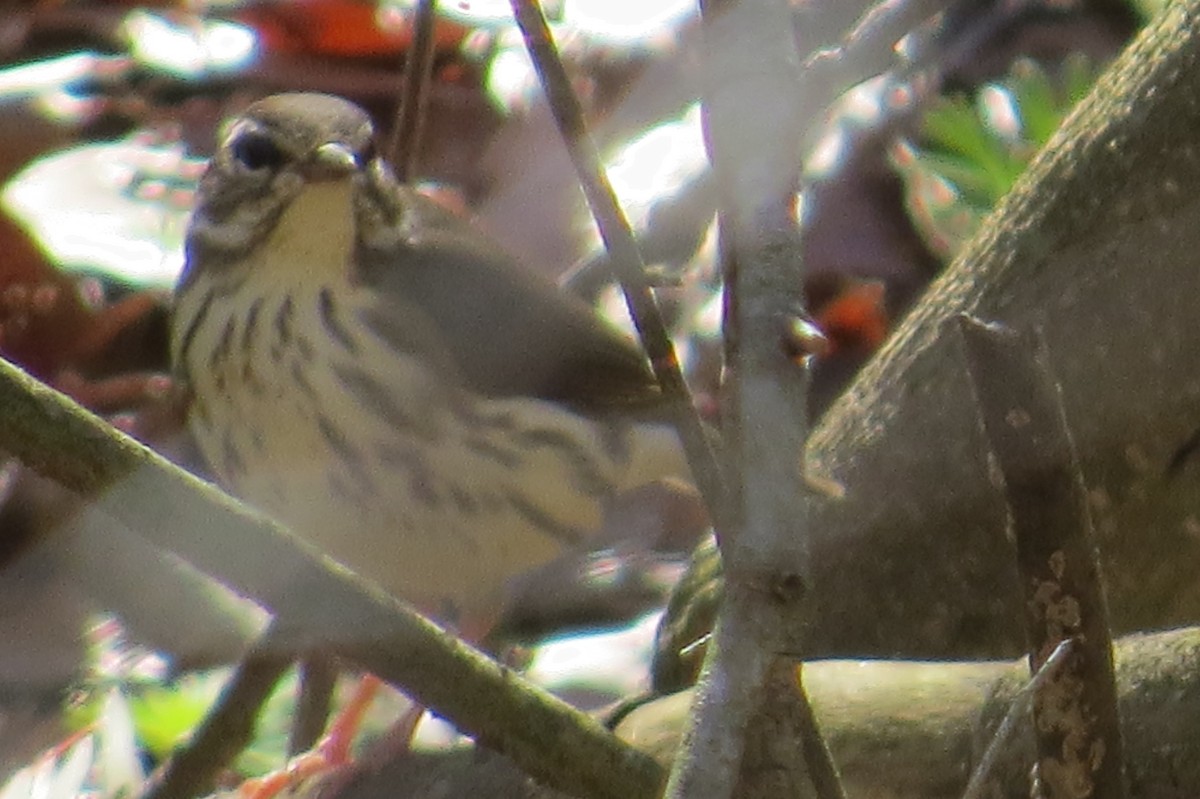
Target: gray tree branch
{"x": 260, "y": 559}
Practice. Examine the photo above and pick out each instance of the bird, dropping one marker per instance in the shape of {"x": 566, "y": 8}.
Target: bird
{"x": 368, "y": 368}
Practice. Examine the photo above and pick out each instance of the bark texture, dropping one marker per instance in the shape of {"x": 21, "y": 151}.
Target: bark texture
{"x": 1097, "y": 245}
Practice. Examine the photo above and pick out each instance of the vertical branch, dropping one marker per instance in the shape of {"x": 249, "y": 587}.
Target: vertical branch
{"x": 751, "y": 120}
{"x": 626, "y": 258}
{"x": 404, "y": 147}
{"x": 318, "y": 680}
{"x": 1075, "y": 715}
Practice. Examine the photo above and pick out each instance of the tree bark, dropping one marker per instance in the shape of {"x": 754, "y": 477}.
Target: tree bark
{"x": 1097, "y": 244}
{"x": 903, "y": 729}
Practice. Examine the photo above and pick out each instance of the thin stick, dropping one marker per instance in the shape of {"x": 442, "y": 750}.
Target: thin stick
{"x": 318, "y": 679}
{"x": 822, "y": 771}
{"x": 405, "y": 145}
{"x": 1018, "y": 711}
{"x": 227, "y": 728}
{"x": 627, "y": 260}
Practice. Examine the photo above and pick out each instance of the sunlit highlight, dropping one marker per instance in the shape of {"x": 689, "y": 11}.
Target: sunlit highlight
{"x": 627, "y": 21}
{"x": 188, "y": 50}
{"x": 1000, "y": 111}
{"x": 52, "y": 74}
{"x": 117, "y": 208}
{"x": 511, "y": 80}
{"x": 657, "y": 164}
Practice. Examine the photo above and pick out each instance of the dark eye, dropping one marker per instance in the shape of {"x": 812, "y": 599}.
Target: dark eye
{"x": 257, "y": 151}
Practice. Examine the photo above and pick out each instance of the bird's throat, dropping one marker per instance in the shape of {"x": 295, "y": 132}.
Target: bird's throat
{"x": 314, "y": 234}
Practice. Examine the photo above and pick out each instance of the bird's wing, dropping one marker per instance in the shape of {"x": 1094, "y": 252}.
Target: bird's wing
{"x": 507, "y": 331}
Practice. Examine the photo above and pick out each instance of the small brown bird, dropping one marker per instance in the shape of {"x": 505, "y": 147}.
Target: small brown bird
{"x": 370, "y": 370}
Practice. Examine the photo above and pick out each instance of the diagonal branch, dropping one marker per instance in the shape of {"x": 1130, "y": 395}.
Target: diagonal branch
{"x": 623, "y": 250}
{"x": 548, "y": 738}
{"x": 1075, "y": 714}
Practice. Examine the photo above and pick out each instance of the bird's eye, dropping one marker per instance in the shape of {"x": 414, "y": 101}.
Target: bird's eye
{"x": 257, "y": 151}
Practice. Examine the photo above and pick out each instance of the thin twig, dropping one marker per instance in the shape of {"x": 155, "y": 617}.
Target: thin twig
{"x": 1018, "y": 711}
{"x": 258, "y": 557}
{"x": 405, "y": 144}
{"x": 676, "y": 229}
{"x": 318, "y": 679}
{"x": 227, "y": 728}
{"x": 868, "y": 48}
{"x": 866, "y": 51}
{"x": 627, "y": 260}
{"x": 1076, "y": 718}
{"x": 822, "y": 771}
{"x": 783, "y": 726}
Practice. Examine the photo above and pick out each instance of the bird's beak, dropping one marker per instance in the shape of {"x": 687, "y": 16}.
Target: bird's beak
{"x": 331, "y": 161}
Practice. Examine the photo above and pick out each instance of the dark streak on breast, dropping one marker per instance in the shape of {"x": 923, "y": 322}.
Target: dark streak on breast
{"x": 587, "y": 477}
{"x": 377, "y": 399}
{"x": 201, "y": 315}
{"x": 220, "y": 353}
{"x": 420, "y": 480}
{"x": 283, "y": 321}
{"x": 346, "y": 453}
{"x": 301, "y": 380}
{"x": 542, "y": 522}
{"x": 332, "y": 324}
{"x": 251, "y": 324}
{"x": 251, "y": 380}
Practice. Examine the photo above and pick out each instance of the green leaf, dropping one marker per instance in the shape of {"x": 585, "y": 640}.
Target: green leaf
{"x": 970, "y": 152}
{"x": 165, "y": 715}
{"x": 1042, "y": 109}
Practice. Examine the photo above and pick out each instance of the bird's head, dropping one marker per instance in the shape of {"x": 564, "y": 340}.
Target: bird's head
{"x": 297, "y": 174}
